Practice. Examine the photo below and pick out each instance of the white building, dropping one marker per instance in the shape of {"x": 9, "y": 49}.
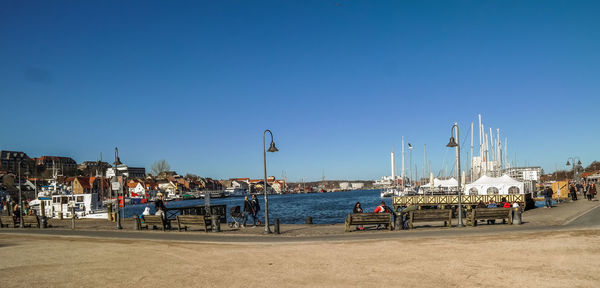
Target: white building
{"x": 357, "y": 185}
{"x": 345, "y": 186}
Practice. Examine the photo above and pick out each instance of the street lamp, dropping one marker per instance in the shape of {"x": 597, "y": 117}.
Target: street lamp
{"x": 410, "y": 148}
{"x": 272, "y": 148}
{"x": 453, "y": 143}
{"x": 20, "y": 199}
{"x": 116, "y": 164}
{"x": 572, "y": 159}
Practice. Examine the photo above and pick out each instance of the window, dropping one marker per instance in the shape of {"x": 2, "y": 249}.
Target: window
{"x": 473, "y": 191}
{"x": 79, "y": 199}
{"x": 513, "y": 190}
{"x": 493, "y": 191}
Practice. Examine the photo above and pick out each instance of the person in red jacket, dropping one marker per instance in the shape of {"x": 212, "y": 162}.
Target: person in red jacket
{"x": 506, "y": 205}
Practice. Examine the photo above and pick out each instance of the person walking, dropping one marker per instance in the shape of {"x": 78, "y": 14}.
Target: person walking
{"x": 248, "y": 210}
{"x": 256, "y": 207}
{"x": 573, "y": 192}
{"x": 592, "y": 191}
{"x": 548, "y": 196}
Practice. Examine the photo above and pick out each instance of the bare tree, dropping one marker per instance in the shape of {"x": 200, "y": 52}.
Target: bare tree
{"x": 160, "y": 166}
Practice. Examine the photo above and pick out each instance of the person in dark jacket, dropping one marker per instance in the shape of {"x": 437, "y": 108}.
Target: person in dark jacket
{"x": 573, "y": 192}
{"x": 248, "y": 210}
{"x": 358, "y": 209}
{"x": 256, "y": 209}
{"x": 548, "y": 196}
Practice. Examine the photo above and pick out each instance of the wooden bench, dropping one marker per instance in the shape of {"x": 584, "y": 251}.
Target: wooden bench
{"x": 31, "y": 220}
{"x": 154, "y": 221}
{"x": 430, "y": 215}
{"x": 369, "y": 219}
{"x": 8, "y": 220}
{"x": 488, "y": 214}
{"x": 200, "y": 220}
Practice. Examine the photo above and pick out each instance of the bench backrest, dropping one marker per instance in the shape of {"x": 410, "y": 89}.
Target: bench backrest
{"x": 149, "y": 219}
{"x": 370, "y": 217}
{"x": 431, "y": 214}
{"x": 30, "y": 219}
{"x": 7, "y": 220}
{"x": 192, "y": 219}
{"x": 489, "y": 212}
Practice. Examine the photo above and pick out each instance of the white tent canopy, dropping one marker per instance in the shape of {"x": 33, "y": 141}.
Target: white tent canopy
{"x": 495, "y": 185}
{"x": 448, "y": 183}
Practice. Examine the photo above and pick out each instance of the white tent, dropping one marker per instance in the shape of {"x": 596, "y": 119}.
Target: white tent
{"x": 437, "y": 183}
{"x": 495, "y": 185}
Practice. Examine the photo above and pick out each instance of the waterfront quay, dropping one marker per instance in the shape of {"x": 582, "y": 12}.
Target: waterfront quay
{"x": 563, "y": 239}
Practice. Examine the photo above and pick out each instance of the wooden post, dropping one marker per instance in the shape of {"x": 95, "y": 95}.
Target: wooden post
{"x": 73, "y": 217}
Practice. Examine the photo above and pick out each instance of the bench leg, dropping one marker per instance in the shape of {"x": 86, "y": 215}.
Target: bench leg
{"x": 347, "y": 225}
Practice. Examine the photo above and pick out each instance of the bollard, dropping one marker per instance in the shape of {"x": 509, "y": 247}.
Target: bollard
{"x": 43, "y": 223}
{"x": 216, "y": 223}
{"x": 73, "y": 217}
{"x": 308, "y": 220}
{"x": 109, "y": 212}
{"x": 276, "y": 228}
{"x": 516, "y": 215}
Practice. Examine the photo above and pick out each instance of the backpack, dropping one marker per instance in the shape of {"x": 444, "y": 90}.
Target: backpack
{"x": 387, "y": 209}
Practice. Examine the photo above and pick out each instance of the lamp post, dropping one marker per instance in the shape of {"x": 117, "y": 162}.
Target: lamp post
{"x": 20, "y": 199}
{"x": 410, "y": 148}
{"x": 272, "y": 148}
{"x": 572, "y": 159}
{"x": 454, "y": 143}
{"x": 116, "y": 179}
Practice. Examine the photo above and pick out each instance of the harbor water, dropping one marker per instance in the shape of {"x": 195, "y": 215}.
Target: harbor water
{"x": 324, "y": 208}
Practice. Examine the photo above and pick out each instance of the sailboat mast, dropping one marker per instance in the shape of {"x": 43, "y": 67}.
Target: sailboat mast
{"x": 402, "y": 163}
{"x": 471, "y": 163}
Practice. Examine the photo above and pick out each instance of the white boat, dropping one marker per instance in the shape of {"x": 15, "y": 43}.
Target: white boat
{"x": 235, "y": 192}
{"x": 85, "y": 205}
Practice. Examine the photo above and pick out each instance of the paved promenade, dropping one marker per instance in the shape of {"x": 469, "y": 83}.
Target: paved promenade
{"x": 555, "y": 247}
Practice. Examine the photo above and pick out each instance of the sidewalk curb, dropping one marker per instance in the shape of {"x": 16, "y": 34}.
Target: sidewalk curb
{"x": 580, "y": 215}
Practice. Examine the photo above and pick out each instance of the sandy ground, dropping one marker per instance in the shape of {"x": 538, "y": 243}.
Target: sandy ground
{"x": 542, "y": 259}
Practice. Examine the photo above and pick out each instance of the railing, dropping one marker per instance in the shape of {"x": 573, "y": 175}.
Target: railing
{"x": 452, "y": 200}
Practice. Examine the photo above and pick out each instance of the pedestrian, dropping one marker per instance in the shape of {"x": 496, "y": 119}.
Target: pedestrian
{"x": 573, "y": 192}
{"x": 159, "y": 206}
{"x": 256, "y": 208}
{"x": 548, "y": 196}
{"x": 248, "y": 210}
{"x": 583, "y": 189}
{"x": 405, "y": 214}
{"x": 358, "y": 209}
{"x": 592, "y": 191}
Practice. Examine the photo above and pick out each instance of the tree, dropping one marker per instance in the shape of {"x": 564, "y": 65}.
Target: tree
{"x": 160, "y": 166}
{"x": 593, "y": 167}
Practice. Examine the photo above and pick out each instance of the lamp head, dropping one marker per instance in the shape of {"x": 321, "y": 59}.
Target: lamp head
{"x": 272, "y": 148}
{"x": 568, "y": 163}
{"x": 579, "y": 162}
{"x": 452, "y": 142}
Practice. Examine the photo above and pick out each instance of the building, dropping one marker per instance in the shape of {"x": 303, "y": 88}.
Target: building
{"x": 81, "y": 185}
{"x": 65, "y": 165}
{"x": 9, "y": 162}
{"x": 93, "y": 167}
{"x": 357, "y": 185}
{"x": 131, "y": 172}
{"x": 525, "y": 173}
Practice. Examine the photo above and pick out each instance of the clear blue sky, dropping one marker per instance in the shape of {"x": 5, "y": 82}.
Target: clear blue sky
{"x": 338, "y": 82}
